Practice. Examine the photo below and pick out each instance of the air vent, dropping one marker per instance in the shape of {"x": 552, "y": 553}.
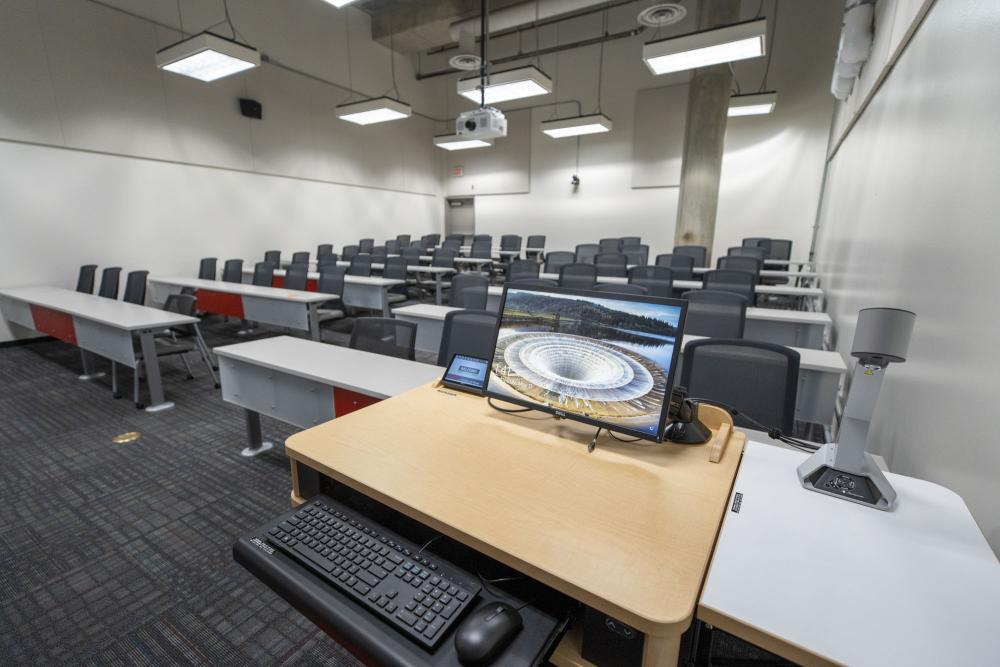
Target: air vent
{"x": 659, "y": 16}
{"x": 465, "y": 61}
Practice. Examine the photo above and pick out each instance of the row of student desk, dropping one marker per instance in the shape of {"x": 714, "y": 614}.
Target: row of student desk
{"x": 657, "y": 536}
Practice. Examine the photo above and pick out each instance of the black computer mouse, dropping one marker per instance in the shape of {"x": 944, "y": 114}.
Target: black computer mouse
{"x": 486, "y": 632}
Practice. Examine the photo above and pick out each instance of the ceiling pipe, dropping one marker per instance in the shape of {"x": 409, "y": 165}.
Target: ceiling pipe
{"x": 523, "y": 14}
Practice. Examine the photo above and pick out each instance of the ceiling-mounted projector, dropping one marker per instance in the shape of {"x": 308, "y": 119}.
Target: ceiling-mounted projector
{"x": 484, "y": 123}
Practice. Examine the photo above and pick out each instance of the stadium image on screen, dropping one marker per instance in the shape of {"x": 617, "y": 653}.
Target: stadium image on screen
{"x": 607, "y": 359}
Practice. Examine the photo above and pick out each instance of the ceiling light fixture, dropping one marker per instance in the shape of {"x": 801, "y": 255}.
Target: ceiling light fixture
{"x": 339, "y": 3}
{"x": 456, "y": 142}
{"x": 207, "y": 57}
{"x": 708, "y": 47}
{"x": 377, "y": 110}
{"x": 577, "y": 125}
{"x": 752, "y": 105}
{"x": 513, "y": 84}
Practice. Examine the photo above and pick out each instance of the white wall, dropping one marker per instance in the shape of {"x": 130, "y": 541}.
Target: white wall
{"x": 773, "y": 165}
{"x": 908, "y": 221}
{"x": 105, "y": 159}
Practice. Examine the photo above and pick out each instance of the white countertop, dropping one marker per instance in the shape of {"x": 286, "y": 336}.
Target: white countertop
{"x": 245, "y": 289}
{"x": 119, "y": 314}
{"x": 425, "y": 310}
{"x": 364, "y": 372}
{"x": 858, "y": 586}
{"x": 828, "y": 361}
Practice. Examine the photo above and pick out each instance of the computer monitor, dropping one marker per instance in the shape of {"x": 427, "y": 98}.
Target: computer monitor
{"x": 597, "y": 357}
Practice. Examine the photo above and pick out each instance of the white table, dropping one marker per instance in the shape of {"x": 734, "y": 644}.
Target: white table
{"x": 305, "y": 383}
{"x": 804, "y": 276}
{"x": 438, "y": 273}
{"x": 96, "y": 325}
{"x": 819, "y": 580}
{"x": 369, "y": 292}
{"x": 794, "y": 328}
{"x": 293, "y": 309}
{"x": 430, "y": 324}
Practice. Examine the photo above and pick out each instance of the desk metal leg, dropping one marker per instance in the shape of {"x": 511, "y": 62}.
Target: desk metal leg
{"x": 152, "y": 365}
{"x": 257, "y": 444}
{"x": 438, "y": 277}
{"x": 89, "y": 372}
{"x": 386, "y": 312}
{"x": 314, "y": 321}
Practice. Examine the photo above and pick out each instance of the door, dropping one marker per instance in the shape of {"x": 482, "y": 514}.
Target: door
{"x": 460, "y": 216}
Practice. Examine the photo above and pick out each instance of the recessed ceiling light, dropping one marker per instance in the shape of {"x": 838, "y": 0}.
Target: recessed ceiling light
{"x": 752, "y": 105}
{"x": 377, "y": 110}
{"x": 577, "y": 125}
{"x": 456, "y": 142}
{"x": 207, "y": 57}
{"x": 339, "y": 3}
{"x": 708, "y": 47}
{"x": 513, "y": 84}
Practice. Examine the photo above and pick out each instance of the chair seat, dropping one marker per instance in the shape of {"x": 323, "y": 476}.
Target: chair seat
{"x": 396, "y": 298}
{"x": 325, "y": 314}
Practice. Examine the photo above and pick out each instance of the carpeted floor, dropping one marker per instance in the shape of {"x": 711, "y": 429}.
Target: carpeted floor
{"x": 119, "y": 554}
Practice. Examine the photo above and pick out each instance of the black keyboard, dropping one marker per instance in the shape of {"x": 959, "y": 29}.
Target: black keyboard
{"x": 421, "y": 596}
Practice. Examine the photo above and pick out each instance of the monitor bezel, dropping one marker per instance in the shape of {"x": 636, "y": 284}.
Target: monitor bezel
{"x": 642, "y": 298}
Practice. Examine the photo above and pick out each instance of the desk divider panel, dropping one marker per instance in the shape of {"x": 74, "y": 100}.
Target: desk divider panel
{"x": 17, "y": 312}
{"x": 294, "y": 314}
{"x": 107, "y": 341}
{"x": 219, "y": 303}
{"x": 54, "y": 323}
{"x": 299, "y": 401}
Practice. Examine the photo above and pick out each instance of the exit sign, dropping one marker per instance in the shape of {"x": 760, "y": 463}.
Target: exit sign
{"x": 458, "y": 170}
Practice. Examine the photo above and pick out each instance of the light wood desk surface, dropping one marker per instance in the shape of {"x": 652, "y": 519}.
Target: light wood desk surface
{"x": 627, "y": 529}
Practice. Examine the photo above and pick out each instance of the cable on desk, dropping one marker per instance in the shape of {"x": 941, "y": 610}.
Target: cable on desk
{"x": 489, "y": 400}
{"x": 773, "y": 433}
{"x": 429, "y": 542}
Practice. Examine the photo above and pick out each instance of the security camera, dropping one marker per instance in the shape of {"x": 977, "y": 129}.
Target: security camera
{"x": 575, "y": 181}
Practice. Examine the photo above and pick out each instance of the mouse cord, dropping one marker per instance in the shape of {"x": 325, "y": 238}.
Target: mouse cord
{"x": 486, "y": 584}
{"x": 429, "y": 542}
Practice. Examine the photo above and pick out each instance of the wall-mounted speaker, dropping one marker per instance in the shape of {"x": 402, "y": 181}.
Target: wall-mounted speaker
{"x": 251, "y": 108}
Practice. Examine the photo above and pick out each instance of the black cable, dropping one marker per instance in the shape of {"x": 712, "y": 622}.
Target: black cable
{"x": 430, "y": 542}
{"x": 615, "y": 437}
{"x": 489, "y": 401}
{"x": 229, "y": 20}
{"x": 773, "y": 433}
{"x": 600, "y": 64}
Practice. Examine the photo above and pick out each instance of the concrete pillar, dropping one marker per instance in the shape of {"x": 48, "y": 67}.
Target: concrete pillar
{"x": 705, "y": 137}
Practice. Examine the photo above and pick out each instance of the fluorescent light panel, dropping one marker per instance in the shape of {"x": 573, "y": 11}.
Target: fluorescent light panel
{"x": 207, "y": 57}
{"x": 576, "y": 126}
{"x": 513, "y": 84}
{"x": 709, "y": 47}
{"x": 378, "y": 110}
{"x": 339, "y": 3}
{"x": 752, "y": 105}
{"x": 456, "y": 142}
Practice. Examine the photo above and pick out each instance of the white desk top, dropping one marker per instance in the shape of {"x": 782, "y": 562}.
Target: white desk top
{"x": 244, "y": 289}
{"x": 827, "y": 361}
{"x": 850, "y": 584}
{"x": 769, "y": 273}
{"x": 364, "y": 372}
{"x": 118, "y": 314}
{"x": 411, "y": 268}
{"x": 358, "y": 280}
{"x": 427, "y": 311}
{"x": 786, "y": 262}
{"x": 786, "y": 290}
{"x": 794, "y": 316}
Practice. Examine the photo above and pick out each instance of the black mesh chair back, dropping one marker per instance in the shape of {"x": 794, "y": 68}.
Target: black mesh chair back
{"x": 366, "y": 245}
{"x": 510, "y": 242}
{"x": 611, "y": 264}
{"x": 379, "y": 253}
{"x": 741, "y": 263}
{"x": 730, "y": 280}
{"x": 682, "y": 266}
{"x": 263, "y": 274}
{"x": 207, "y": 269}
{"x": 586, "y": 252}
{"x": 759, "y": 379}
{"x": 349, "y": 252}
{"x": 698, "y": 252}
{"x": 109, "y": 282}
{"x": 301, "y": 257}
{"x": 452, "y": 244}
{"x": 482, "y": 250}
{"x": 384, "y": 335}
{"x": 533, "y": 282}
{"x": 557, "y": 259}
{"x": 418, "y": 244}
{"x": 636, "y": 255}
{"x": 135, "y": 288}
{"x": 469, "y": 290}
{"x": 322, "y": 249}
{"x": 182, "y": 304}
{"x": 744, "y": 251}
{"x": 578, "y": 276}
{"x": 522, "y": 269}
{"x": 455, "y": 237}
{"x": 758, "y": 242}
{"x": 85, "y": 281}
{"x": 467, "y": 332}
{"x": 536, "y": 241}
{"x": 715, "y": 314}
{"x": 621, "y": 289}
{"x": 392, "y": 247}
{"x": 274, "y": 257}
{"x": 631, "y": 241}
{"x": 329, "y": 258}
{"x": 444, "y": 257}
{"x": 297, "y": 277}
{"x": 411, "y": 255}
{"x": 430, "y": 240}
{"x": 361, "y": 265}
{"x": 232, "y": 271}
{"x": 610, "y": 245}
{"x": 404, "y": 239}
{"x": 331, "y": 281}
{"x": 394, "y": 268}
{"x": 780, "y": 249}
{"x": 484, "y": 238}
{"x": 658, "y": 280}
